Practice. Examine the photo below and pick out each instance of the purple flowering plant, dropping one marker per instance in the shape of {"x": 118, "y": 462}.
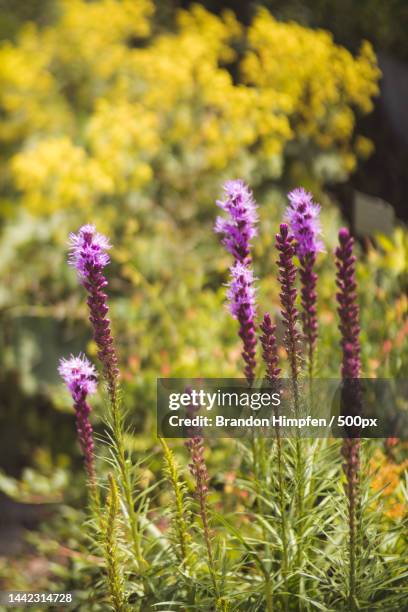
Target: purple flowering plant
{"x": 80, "y": 378}
{"x": 89, "y": 256}
{"x": 239, "y": 226}
{"x": 298, "y": 244}
{"x": 349, "y": 326}
{"x": 303, "y": 216}
{"x": 264, "y": 556}
{"x": 238, "y": 229}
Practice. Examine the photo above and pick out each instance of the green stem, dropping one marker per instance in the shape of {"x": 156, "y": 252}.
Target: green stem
{"x": 354, "y": 508}
{"x": 268, "y": 595}
{"x": 352, "y": 547}
{"x": 125, "y": 476}
{"x": 299, "y": 497}
{"x": 260, "y": 477}
{"x": 299, "y": 480}
{"x": 207, "y": 538}
{"x": 311, "y": 364}
{"x": 282, "y": 508}
{"x": 115, "y": 580}
{"x": 180, "y": 520}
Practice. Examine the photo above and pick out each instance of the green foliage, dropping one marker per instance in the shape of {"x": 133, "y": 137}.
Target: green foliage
{"x": 181, "y": 514}
{"x": 113, "y": 562}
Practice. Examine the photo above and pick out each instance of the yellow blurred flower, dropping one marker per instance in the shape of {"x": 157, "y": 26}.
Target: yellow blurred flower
{"x": 386, "y": 478}
{"x": 93, "y": 114}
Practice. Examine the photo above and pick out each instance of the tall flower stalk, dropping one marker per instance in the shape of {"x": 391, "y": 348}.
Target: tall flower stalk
{"x": 271, "y": 359}
{"x": 199, "y": 472}
{"x": 238, "y": 229}
{"x": 349, "y": 326}
{"x": 288, "y": 294}
{"x": 303, "y": 217}
{"x": 180, "y": 515}
{"x": 111, "y": 552}
{"x": 80, "y": 378}
{"x": 292, "y": 339}
{"x": 241, "y": 296}
{"x": 88, "y": 254}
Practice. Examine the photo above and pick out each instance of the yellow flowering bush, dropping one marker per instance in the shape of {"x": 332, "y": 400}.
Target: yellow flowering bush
{"x": 97, "y": 107}
{"x": 312, "y": 81}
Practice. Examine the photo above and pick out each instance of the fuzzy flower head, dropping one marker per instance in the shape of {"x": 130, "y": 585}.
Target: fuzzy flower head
{"x": 238, "y": 228}
{"x": 88, "y": 250}
{"x": 241, "y": 292}
{"x": 302, "y": 215}
{"x": 79, "y": 375}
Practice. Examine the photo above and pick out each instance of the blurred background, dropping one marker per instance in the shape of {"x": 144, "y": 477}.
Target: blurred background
{"x": 130, "y": 114}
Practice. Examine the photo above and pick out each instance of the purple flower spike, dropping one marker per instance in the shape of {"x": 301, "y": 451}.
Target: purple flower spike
{"x": 239, "y": 227}
{"x": 199, "y": 472}
{"x": 270, "y": 349}
{"x": 310, "y": 324}
{"x": 88, "y": 255}
{"x": 271, "y": 359}
{"x": 348, "y": 308}
{"x": 80, "y": 377}
{"x": 241, "y": 295}
{"x": 303, "y": 217}
{"x": 241, "y": 292}
{"x": 197, "y": 467}
{"x": 351, "y": 369}
{"x": 288, "y": 294}
{"x": 88, "y": 250}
